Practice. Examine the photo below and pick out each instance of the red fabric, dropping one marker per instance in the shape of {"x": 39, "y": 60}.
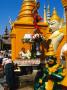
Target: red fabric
{"x": 37, "y": 18}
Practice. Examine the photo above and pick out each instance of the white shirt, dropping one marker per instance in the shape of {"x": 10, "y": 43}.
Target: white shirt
{"x": 6, "y": 61}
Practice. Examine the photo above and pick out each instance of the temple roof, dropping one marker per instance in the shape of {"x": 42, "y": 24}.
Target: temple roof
{"x": 6, "y": 34}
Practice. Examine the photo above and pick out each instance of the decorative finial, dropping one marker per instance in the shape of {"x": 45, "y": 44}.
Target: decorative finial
{"x": 44, "y": 7}
{"x": 45, "y": 17}
{"x": 6, "y": 31}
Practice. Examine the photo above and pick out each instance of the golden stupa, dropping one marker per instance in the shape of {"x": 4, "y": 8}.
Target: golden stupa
{"x": 54, "y": 16}
{"x": 25, "y": 14}
{"x": 24, "y": 25}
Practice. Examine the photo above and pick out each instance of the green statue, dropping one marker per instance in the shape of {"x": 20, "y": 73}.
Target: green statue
{"x": 50, "y": 75}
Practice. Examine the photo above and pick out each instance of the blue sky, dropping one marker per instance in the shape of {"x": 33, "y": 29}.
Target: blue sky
{"x": 11, "y": 8}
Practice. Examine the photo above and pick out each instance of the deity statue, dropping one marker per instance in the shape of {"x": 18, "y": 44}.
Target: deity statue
{"x": 50, "y": 75}
{"x": 57, "y": 35}
{"x": 28, "y": 54}
{"x": 25, "y": 55}
{"x": 22, "y": 54}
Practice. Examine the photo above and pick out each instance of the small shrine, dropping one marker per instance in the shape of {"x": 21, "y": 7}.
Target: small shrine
{"x": 24, "y": 30}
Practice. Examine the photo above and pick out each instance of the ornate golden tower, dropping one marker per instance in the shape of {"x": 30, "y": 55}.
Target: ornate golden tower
{"x": 25, "y": 14}
{"x": 24, "y": 25}
{"x": 54, "y": 16}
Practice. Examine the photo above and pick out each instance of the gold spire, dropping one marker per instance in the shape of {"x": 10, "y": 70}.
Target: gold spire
{"x": 25, "y": 14}
{"x": 45, "y": 16}
{"x": 54, "y": 16}
{"x": 50, "y": 51}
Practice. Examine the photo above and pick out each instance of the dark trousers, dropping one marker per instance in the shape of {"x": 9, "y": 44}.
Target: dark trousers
{"x": 10, "y": 76}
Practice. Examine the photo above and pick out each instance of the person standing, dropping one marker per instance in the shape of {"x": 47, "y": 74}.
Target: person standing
{"x": 9, "y": 72}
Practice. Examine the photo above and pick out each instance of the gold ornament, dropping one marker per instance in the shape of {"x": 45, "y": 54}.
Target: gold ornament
{"x": 50, "y": 51}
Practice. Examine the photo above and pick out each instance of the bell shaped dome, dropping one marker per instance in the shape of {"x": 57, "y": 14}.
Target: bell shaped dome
{"x": 25, "y": 14}
{"x": 54, "y": 16}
